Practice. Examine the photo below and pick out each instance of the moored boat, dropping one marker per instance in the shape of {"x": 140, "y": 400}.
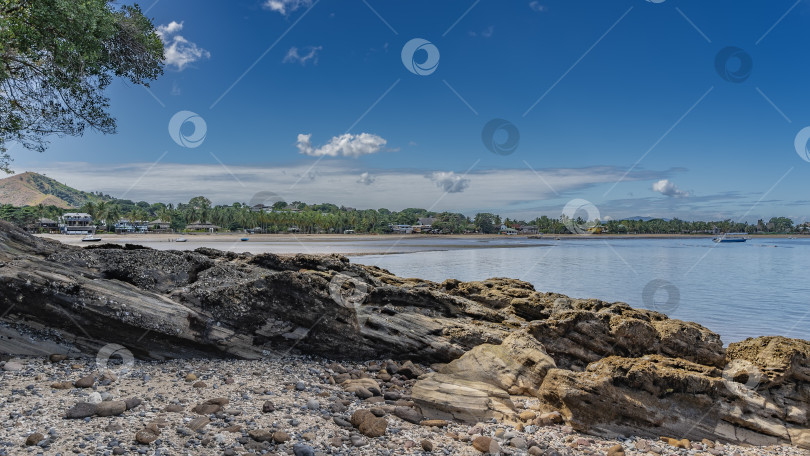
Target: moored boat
{"x": 731, "y": 237}
{"x": 90, "y": 238}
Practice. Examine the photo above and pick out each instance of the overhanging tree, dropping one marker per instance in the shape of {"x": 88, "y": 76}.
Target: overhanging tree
{"x": 56, "y": 59}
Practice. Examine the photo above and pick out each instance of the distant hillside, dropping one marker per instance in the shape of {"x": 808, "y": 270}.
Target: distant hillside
{"x": 31, "y": 189}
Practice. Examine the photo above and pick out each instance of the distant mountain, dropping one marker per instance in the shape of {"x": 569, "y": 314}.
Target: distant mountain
{"x": 31, "y": 189}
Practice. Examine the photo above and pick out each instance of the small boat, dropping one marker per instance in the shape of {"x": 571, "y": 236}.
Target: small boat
{"x": 181, "y": 239}
{"x": 731, "y": 237}
{"x": 245, "y": 239}
{"x": 90, "y": 238}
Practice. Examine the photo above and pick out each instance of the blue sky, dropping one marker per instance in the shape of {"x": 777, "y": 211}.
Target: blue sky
{"x": 311, "y": 100}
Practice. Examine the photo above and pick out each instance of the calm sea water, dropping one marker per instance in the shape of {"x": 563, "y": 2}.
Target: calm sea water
{"x": 753, "y": 289}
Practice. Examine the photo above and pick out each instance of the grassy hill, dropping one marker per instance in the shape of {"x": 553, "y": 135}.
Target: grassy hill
{"x": 31, "y": 189}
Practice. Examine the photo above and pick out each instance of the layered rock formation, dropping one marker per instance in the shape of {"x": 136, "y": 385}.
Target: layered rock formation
{"x": 606, "y": 367}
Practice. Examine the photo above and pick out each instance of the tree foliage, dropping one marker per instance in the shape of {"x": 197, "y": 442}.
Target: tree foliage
{"x": 56, "y": 59}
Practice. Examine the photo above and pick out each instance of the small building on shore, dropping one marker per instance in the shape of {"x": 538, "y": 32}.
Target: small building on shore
{"x": 401, "y": 229}
{"x": 77, "y": 223}
{"x": 528, "y": 229}
{"x": 199, "y": 226}
{"x": 47, "y": 225}
{"x": 131, "y": 226}
{"x": 159, "y": 226}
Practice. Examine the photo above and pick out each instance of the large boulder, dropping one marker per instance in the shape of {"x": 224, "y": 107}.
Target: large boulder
{"x": 448, "y": 397}
{"x": 517, "y": 365}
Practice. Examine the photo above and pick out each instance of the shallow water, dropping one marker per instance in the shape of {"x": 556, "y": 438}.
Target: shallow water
{"x": 737, "y": 290}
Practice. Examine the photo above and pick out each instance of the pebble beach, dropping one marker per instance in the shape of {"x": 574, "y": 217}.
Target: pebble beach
{"x": 291, "y": 405}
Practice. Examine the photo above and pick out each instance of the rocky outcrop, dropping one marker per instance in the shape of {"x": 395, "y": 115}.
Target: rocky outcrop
{"x": 517, "y": 365}
{"x": 606, "y": 367}
{"x": 656, "y": 395}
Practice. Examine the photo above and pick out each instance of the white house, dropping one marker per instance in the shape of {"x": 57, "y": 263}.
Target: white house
{"x": 76, "y": 223}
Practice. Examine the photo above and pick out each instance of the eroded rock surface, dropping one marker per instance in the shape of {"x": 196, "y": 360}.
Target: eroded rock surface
{"x": 606, "y": 367}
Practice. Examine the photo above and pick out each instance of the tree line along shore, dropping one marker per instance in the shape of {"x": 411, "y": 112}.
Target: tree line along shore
{"x": 199, "y": 214}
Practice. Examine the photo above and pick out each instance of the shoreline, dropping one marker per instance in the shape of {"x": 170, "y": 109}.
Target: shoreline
{"x": 366, "y": 237}
{"x": 478, "y": 364}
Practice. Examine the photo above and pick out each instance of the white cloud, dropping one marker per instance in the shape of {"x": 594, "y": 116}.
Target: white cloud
{"x": 450, "y": 182}
{"x": 536, "y": 6}
{"x": 310, "y": 53}
{"x": 487, "y": 33}
{"x": 347, "y": 145}
{"x": 285, "y": 6}
{"x": 178, "y": 51}
{"x": 366, "y": 179}
{"x": 668, "y": 188}
{"x": 171, "y": 28}
{"x": 515, "y": 193}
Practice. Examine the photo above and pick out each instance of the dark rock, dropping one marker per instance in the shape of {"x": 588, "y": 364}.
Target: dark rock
{"x": 85, "y": 382}
{"x": 33, "y": 439}
{"x": 300, "y": 449}
{"x": 57, "y": 357}
{"x": 81, "y": 410}
{"x": 111, "y": 408}
{"x": 409, "y": 370}
{"x": 408, "y": 414}
{"x": 368, "y": 424}
{"x": 261, "y": 435}
{"x": 147, "y": 435}
{"x": 133, "y": 402}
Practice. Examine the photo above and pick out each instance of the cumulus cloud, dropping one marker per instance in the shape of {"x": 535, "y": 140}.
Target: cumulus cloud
{"x": 309, "y": 53}
{"x": 536, "y": 6}
{"x": 515, "y": 193}
{"x": 450, "y": 182}
{"x": 285, "y": 6}
{"x": 178, "y": 51}
{"x": 366, "y": 179}
{"x": 487, "y": 33}
{"x": 668, "y": 188}
{"x": 347, "y": 145}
